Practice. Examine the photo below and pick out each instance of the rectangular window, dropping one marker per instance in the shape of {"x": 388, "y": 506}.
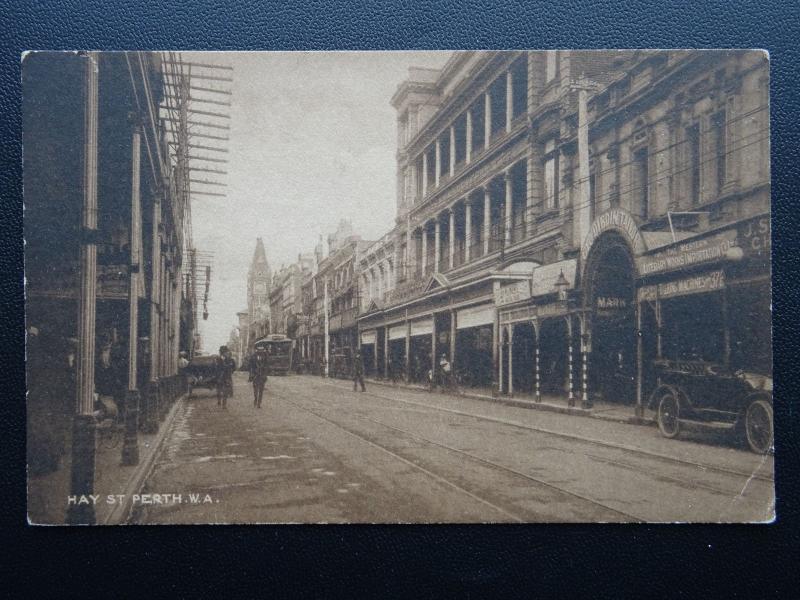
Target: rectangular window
{"x": 520, "y": 87}
{"x": 418, "y": 178}
{"x": 551, "y": 67}
{"x": 497, "y": 97}
{"x": 693, "y": 163}
{"x": 640, "y": 185}
{"x": 718, "y": 128}
{"x": 444, "y": 153}
{"x": 478, "y": 116}
{"x": 551, "y": 183}
{"x": 431, "y": 155}
{"x": 460, "y": 129}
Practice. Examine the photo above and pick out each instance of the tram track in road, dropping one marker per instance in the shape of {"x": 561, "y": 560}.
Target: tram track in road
{"x": 704, "y": 467}
{"x": 404, "y": 460}
{"x": 508, "y": 471}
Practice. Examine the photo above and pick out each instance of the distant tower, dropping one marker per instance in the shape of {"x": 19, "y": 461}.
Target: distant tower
{"x": 259, "y": 278}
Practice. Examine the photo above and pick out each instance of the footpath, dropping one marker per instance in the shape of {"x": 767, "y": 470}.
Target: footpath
{"x": 608, "y": 411}
{"x": 115, "y": 484}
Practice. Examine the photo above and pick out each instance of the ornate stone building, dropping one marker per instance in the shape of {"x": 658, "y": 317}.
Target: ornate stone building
{"x": 547, "y": 205}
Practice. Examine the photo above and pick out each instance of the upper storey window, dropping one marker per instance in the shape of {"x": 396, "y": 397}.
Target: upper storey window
{"x": 519, "y": 72}
{"x": 551, "y": 65}
{"x": 550, "y": 176}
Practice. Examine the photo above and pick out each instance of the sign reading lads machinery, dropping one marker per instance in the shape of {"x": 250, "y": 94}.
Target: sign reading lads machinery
{"x": 706, "y": 282}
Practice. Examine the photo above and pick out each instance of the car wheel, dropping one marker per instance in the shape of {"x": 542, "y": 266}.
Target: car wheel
{"x": 759, "y": 427}
{"x": 669, "y": 414}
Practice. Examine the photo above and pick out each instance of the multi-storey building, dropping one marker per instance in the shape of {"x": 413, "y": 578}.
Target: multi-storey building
{"x": 331, "y": 298}
{"x": 285, "y": 296}
{"x": 106, "y": 211}
{"x": 546, "y": 201}
{"x": 377, "y": 276}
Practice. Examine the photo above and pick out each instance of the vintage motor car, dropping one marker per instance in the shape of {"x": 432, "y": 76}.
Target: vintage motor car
{"x": 202, "y": 373}
{"x": 708, "y": 393}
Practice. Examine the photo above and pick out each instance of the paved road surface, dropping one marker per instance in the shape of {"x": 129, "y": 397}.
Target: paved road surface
{"x": 318, "y": 452}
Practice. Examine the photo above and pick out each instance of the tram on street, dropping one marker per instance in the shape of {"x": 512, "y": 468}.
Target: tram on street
{"x": 280, "y": 350}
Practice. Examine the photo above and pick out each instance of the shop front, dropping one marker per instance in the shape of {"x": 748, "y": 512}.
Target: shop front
{"x": 473, "y": 345}
{"x": 541, "y": 353}
{"x": 369, "y": 349}
{"x": 421, "y": 348}
{"x": 396, "y": 350}
{"x": 650, "y": 297}
{"x": 706, "y": 300}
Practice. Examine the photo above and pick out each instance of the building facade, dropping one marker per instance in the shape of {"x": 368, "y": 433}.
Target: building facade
{"x": 377, "y": 279}
{"x": 108, "y": 309}
{"x": 330, "y": 299}
{"x": 559, "y": 212}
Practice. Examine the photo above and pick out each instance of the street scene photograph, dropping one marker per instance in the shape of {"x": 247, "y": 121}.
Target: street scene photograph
{"x": 528, "y": 286}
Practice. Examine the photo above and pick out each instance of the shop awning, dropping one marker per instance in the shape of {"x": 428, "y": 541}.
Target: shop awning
{"x": 475, "y": 316}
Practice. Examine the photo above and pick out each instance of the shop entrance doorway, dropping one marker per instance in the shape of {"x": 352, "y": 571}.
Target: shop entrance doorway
{"x": 610, "y": 301}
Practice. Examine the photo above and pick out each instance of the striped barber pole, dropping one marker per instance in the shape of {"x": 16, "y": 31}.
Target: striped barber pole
{"x": 538, "y": 385}
{"x": 571, "y": 396}
{"x": 585, "y": 376}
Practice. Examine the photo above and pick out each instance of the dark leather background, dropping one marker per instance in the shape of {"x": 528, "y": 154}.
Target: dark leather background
{"x": 601, "y": 561}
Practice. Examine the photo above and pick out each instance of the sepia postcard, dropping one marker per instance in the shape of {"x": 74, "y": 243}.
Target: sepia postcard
{"x": 398, "y": 287}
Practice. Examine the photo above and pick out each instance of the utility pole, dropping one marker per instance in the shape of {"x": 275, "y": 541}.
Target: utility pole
{"x": 84, "y": 425}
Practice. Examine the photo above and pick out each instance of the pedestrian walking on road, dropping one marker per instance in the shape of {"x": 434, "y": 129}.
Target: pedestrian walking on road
{"x": 225, "y": 368}
{"x": 358, "y": 371}
{"x": 259, "y": 369}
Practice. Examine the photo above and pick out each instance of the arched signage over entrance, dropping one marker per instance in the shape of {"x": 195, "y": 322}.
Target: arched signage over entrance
{"x": 618, "y": 220}
{"x": 609, "y": 284}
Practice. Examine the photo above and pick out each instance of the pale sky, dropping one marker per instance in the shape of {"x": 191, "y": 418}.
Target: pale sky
{"x": 312, "y": 140}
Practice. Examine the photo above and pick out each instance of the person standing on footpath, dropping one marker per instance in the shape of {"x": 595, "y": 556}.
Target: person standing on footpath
{"x": 358, "y": 371}
{"x": 259, "y": 369}
{"x": 445, "y": 379}
{"x": 183, "y": 364}
{"x": 226, "y": 367}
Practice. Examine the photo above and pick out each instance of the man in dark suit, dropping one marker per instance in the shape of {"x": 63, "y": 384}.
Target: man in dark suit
{"x": 226, "y": 367}
{"x": 259, "y": 369}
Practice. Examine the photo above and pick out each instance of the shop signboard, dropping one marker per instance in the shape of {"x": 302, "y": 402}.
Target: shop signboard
{"x": 755, "y": 237}
{"x": 422, "y": 327}
{"x": 397, "y": 332}
{"x": 112, "y": 282}
{"x": 368, "y": 337}
{"x": 475, "y": 316}
{"x": 689, "y": 253}
{"x": 617, "y": 220}
{"x": 515, "y": 292}
{"x": 545, "y": 276}
{"x": 528, "y": 313}
{"x": 697, "y": 284}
